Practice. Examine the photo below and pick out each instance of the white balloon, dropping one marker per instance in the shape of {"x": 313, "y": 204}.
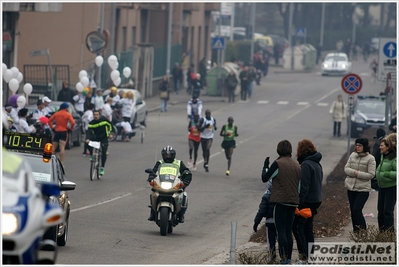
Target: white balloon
{"x": 126, "y": 72}
{"x": 13, "y": 84}
{"x": 4, "y": 68}
{"x": 99, "y": 61}
{"x": 21, "y": 101}
{"x": 117, "y": 82}
{"x": 112, "y": 60}
{"x": 20, "y": 77}
{"x": 84, "y": 81}
{"x": 79, "y": 87}
{"x": 82, "y": 74}
{"x": 28, "y": 88}
{"x": 7, "y": 75}
{"x": 15, "y": 72}
{"x": 115, "y": 75}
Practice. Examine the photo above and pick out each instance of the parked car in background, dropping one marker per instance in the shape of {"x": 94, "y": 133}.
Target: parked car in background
{"x": 75, "y": 134}
{"x": 336, "y": 64}
{"x": 368, "y": 111}
{"x": 139, "y": 107}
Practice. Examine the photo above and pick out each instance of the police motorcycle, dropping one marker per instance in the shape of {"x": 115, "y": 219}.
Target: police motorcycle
{"x": 27, "y": 213}
{"x": 168, "y": 197}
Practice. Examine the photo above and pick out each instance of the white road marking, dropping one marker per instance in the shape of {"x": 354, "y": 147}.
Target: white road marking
{"x": 101, "y": 203}
{"x": 297, "y": 112}
{"x": 262, "y": 102}
{"x": 323, "y": 104}
{"x": 282, "y": 102}
{"x": 330, "y": 93}
{"x": 302, "y": 103}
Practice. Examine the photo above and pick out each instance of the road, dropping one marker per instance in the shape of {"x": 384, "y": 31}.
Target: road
{"x": 108, "y": 222}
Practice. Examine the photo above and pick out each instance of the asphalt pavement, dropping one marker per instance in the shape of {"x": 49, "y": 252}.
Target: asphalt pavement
{"x": 337, "y": 147}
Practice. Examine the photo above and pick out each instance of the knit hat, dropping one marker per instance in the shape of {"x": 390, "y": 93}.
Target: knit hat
{"x": 64, "y": 105}
{"x": 380, "y": 133}
{"x": 43, "y": 120}
{"x": 362, "y": 141}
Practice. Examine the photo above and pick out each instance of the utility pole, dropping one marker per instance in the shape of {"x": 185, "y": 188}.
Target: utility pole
{"x": 323, "y": 13}
{"x": 291, "y": 11}
{"x": 101, "y": 29}
{"x": 252, "y": 31}
{"x": 169, "y": 39}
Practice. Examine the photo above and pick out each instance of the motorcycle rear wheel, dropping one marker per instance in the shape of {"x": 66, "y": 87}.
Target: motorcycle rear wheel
{"x": 164, "y": 220}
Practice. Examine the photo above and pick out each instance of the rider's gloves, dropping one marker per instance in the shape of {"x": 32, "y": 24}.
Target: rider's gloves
{"x": 151, "y": 177}
{"x": 255, "y": 227}
{"x": 189, "y": 116}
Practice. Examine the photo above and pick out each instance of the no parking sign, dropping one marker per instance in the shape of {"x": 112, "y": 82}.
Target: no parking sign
{"x": 351, "y": 84}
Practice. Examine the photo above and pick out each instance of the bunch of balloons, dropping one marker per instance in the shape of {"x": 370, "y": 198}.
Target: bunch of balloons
{"x": 14, "y": 77}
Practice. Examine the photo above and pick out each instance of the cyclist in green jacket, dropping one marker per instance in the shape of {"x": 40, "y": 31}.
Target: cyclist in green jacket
{"x": 99, "y": 130}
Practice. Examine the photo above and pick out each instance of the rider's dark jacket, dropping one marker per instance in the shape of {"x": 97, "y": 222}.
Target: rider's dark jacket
{"x": 99, "y": 130}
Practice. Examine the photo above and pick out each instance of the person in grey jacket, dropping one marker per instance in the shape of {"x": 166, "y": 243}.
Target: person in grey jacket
{"x": 360, "y": 169}
{"x": 310, "y": 195}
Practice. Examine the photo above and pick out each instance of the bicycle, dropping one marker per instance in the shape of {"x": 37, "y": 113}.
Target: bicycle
{"x": 95, "y": 160}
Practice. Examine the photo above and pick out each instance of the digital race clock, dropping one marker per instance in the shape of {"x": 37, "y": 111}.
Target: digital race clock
{"x": 25, "y": 141}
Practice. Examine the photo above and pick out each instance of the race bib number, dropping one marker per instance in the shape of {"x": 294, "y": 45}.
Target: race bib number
{"x": 168, "y": 171}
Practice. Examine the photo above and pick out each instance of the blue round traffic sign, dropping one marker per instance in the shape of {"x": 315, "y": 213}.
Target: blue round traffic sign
{"x": 390, "y": 49}
{"x": 351, "y": 84}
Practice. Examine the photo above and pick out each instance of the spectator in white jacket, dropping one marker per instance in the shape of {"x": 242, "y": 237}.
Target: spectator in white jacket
{"x": 338, "y": 112}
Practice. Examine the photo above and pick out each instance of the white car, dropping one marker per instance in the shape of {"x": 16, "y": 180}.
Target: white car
{"x": 336, "y": 64}
{"x": 139, "y": 107}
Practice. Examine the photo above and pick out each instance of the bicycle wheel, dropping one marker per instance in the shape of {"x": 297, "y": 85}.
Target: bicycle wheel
{"x": 99, "y": 156}
{"x": 94, "y": 165}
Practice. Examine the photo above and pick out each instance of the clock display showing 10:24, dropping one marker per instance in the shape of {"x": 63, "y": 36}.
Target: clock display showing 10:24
{"x": 25, "y": 140}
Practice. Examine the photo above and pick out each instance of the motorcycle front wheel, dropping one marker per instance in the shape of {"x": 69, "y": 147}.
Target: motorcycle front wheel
{"x": 164, "y": 220}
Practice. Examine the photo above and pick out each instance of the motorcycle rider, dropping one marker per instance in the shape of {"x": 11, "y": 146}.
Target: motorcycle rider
{"x": 168, "y": 156}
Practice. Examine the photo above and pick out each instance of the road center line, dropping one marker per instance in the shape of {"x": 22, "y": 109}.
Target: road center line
{"x": 101, "y": 203}
{"x": 330, "y": 93}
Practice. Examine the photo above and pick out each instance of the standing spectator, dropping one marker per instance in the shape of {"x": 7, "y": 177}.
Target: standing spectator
{"x": 164, "y": 88}
{"x": 266, "y": 209}
{"x": 244, "y": 83}
{"x": 229, "y": 132}
{"x": 338, "y": 112}
{"x": 310, "y": 194}
{"x": 66, "y": 94}
{"x": 107, "y": 110}
{"x": 121, "y": 95}
{"x": 392, "y": 125}
{"x": 286, "y": 174}
{"x": 354, "y": 51}
{"x": 208, "y": 128}
{"x": 98, "y": 100}
{"x": 360, "y": 169}
{"x": 127, "y": 103}
{"x": 113, "y": 94}
{"x": 251, "y": 79}
{"x": 62, "y": 119}
{"x": 373, "y": 67}
{"x": 231, "y": 84}
{"x": 380, "y": 134}
{"x": 347, "y": 47}
{"x": 276, "y": 52}
{"x": 386, "y": 177}
{"x": 41, "y": 126}
{"x": 190, "y": 72}
{"x": 11, "y": 112}
{"x": 86, "y": 118}
{"x": 39, "y": 112}
{"x": 11, "y": 126}
{"x": 366, "y": 50}
{"x": 194, "y": 140}
{"x": 202, "y": 71}
{"x": 177, "y": 74}
{"x": 196, "y": 84}
{"x": 79, "y": 101}
{"x": 22, "y": 125}
{"x": 47, "y": 109}
{"x": 88, "y": 100}
{"x": 319, "y": 49}
{"x": 266, "y": 64}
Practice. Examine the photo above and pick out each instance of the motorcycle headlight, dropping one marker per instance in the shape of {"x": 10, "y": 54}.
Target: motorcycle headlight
{"x": 9, "y": 221}
{"x": 166, "y": 185}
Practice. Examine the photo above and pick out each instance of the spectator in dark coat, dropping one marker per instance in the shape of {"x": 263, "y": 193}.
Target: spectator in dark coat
{"x": 319, "y": 49}
{"x": 310, "y": 195}
{"x": 266, "y": 209}
{"x": 392, "y": 125}
{"x": 380, "y": 134}
{"x": 202, "y": 71}
{"x": 66, "y": 94}
{"x": 276, "y": 51}
{"x": 231, "y": 84}
{"x": 347, "y": 47}
{"x": 244, "y": 83}
{"x": 177, "y": 74}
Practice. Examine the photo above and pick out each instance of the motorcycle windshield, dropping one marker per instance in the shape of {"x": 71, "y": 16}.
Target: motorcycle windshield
{"x": 168, "y": 172}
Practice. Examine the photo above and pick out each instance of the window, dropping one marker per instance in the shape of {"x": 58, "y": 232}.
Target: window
{"x": 124, "y": 32}
{"x": 133, "y": 36}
